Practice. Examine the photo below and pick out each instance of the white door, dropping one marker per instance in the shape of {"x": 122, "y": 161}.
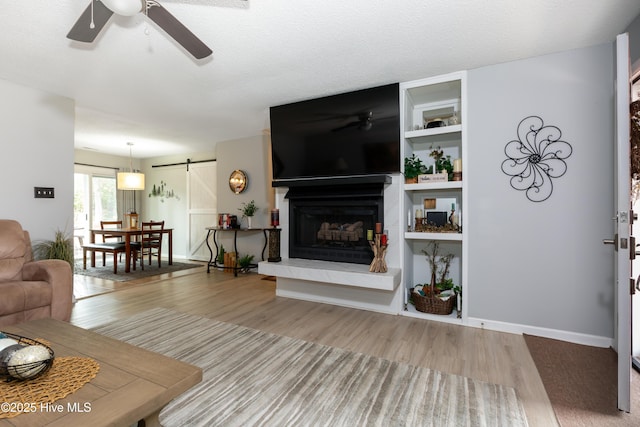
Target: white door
{"x": 202, "y": 207}
{"x": 623, "y": 219}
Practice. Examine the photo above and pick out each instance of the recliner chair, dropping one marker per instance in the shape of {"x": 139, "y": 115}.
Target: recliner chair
{"x": 30, "y": 289}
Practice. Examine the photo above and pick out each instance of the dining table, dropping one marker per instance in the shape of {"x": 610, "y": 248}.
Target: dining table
{"x": 127, "y": 234}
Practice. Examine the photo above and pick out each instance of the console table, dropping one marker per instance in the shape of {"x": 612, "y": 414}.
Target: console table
{"x": 213, "y": 260}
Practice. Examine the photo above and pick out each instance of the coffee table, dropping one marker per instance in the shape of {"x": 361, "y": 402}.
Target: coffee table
{"x": 133, "y": 384}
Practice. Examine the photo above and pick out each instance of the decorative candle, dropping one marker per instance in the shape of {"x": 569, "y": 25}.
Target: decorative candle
{"x": 275, "y": 217}
{"x": 378, "y": 227}
{"x": 457, "y": 165}
{"x": 383, "y": 239}
{"x": 418, "y": 213}
{"x": 370, "y": 235}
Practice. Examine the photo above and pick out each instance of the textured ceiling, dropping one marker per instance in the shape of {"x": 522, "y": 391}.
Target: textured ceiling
{"x": 135, "y": 84}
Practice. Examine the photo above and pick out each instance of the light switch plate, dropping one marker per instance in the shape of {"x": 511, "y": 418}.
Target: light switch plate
{"x": 43, "y": 192}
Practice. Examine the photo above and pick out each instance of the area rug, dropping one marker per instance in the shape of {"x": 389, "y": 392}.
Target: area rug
{"x": 251, "y": 377}
{"x": 581, "y": 382}
{"x": 106, "y": 272}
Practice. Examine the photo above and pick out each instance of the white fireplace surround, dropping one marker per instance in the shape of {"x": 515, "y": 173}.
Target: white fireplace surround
{"x": 350, "y": 285}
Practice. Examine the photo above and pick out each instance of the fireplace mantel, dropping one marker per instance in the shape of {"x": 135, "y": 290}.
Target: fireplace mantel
{"x": 344, "y": 180}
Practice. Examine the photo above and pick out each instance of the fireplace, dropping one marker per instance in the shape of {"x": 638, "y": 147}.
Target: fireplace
{"x": 330, "y": 221}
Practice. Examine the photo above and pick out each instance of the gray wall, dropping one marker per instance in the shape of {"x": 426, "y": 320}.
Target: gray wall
{"x": 252, "y": 156}
{"x": 543, "y": 264}
{"x": 37, "y": 151}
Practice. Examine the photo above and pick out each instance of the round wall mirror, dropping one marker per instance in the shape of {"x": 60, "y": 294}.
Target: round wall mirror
{"x": 238, "y": 181}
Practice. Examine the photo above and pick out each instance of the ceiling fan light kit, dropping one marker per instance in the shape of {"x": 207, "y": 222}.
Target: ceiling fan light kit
{"x": 125, "y": 7}
{"x": 98, "y": 13}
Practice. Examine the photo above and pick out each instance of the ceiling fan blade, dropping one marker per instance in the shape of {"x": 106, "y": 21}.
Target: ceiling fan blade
{"x": 177, "y": 31}
{"x": 82, "y": 30}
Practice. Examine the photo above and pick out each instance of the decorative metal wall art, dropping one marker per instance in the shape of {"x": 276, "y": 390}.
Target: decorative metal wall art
{"x": 535, "y": 158}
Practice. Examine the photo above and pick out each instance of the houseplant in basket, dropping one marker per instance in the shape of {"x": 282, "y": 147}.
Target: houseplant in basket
{"x": 413, "y": 167}
{"x": 438, "y": 296}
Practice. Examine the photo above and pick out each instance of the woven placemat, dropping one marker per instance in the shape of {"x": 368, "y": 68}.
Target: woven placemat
{"x": 66, "y": 376}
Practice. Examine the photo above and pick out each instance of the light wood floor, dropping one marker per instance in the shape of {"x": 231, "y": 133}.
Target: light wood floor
{"x": 249, "y": 300}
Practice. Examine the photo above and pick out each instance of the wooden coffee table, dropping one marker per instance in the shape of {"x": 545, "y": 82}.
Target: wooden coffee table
{"x": 133, "y": 384}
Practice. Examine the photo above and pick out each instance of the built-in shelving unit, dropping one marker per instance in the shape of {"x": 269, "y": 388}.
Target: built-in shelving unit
{"x": 423, "y": 101}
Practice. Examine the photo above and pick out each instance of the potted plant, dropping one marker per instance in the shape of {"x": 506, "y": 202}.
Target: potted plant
{"x": 248, "y": 210}
{"x": 438, "y": 296}
{"x": 245, "y": 263}
{"x": 61, "y": 247}
{"x": 442, "y": 162}
{"x": 221, "y": 252}
{"x": 413, "y": 167}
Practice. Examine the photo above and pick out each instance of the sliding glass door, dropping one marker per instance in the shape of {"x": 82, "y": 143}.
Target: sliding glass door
{"x": 95, "y": 200}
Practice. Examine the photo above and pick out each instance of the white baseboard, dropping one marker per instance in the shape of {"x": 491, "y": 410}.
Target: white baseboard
{"x": 574, "y": 337}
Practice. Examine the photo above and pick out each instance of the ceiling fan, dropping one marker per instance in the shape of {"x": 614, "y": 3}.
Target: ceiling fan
{"x": 98, "y": 13}
{"x": 363, "y": 123}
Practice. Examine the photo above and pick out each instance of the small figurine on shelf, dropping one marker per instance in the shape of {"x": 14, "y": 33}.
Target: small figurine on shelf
{"x": 453, "y": 218}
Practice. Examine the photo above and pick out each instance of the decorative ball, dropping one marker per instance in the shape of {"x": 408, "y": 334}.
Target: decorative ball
{"x": 28, "y": 362}
{"x": 6, "y": 342}
{"x": 5, "y": 355}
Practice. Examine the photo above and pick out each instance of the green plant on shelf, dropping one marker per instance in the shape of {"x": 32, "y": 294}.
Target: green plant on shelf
{"x": 413, "y": 167}
{"x": 248, "y": 209}
{"x": 442, "y": 162}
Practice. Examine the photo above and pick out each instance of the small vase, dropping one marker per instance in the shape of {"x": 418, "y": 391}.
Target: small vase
{"x": 248, "y": 222}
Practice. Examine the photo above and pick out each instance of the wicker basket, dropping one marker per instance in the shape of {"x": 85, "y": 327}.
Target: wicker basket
{"x": 432, "y": 304}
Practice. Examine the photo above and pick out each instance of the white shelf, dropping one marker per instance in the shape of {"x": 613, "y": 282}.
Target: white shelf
{"x": 449, "y": 185}
{"x": 426, "y": 133}
{"x": 422, "y": 99}
{"x": 420, "y": 235}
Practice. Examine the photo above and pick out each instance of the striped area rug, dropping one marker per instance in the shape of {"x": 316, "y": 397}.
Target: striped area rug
{"x": 255, "y": 378}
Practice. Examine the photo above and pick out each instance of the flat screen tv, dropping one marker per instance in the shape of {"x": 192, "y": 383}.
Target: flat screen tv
{"x": 350, "y": 134}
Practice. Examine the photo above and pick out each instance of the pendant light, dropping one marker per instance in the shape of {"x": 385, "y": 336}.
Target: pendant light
{"x": 130, "y": 180}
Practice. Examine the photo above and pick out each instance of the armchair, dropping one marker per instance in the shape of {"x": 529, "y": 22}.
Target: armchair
{"x": 30, "y": 289}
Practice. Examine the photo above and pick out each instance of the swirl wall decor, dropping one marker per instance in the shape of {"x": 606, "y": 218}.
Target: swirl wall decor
{"x": 535, "y": 158}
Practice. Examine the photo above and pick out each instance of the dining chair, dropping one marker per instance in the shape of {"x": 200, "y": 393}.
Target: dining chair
{"x": 110, "y": 238}
{"x": 151, "y": 241}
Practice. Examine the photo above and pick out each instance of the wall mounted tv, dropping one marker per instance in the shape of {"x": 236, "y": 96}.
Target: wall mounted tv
{"x": 350, "y": 134}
